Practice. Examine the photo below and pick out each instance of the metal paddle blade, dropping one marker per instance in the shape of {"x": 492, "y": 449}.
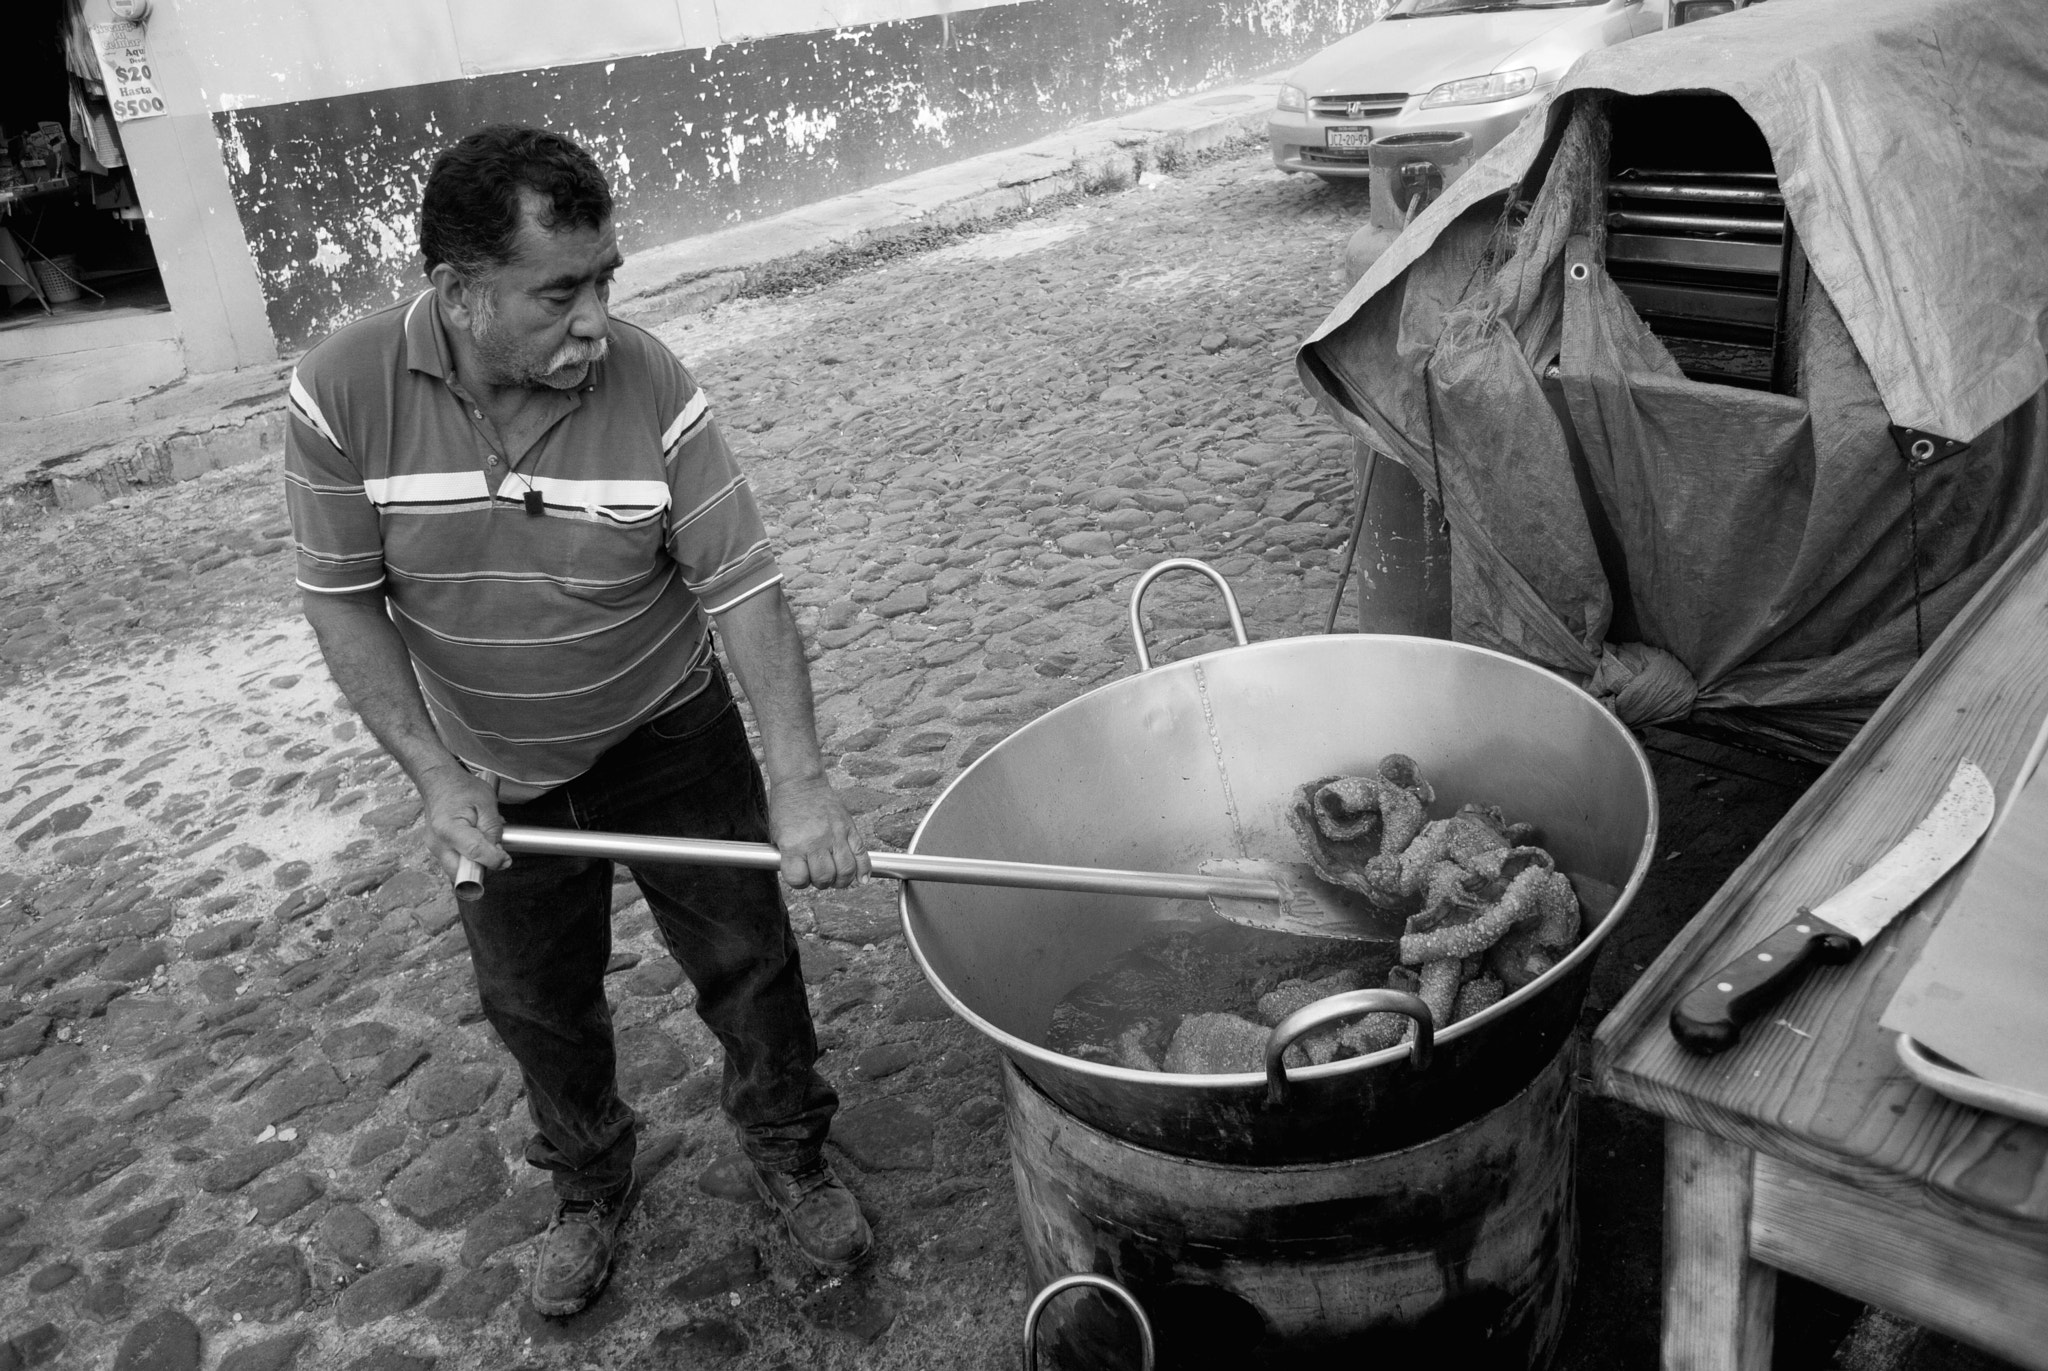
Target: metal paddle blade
{"x": 1308, "y": 904}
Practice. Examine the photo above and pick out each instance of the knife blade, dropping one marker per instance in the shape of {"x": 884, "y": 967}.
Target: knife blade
{"x": 1710, "y": 1017}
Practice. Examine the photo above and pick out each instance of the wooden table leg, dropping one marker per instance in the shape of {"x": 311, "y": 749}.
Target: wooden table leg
{"x": 1718, "y": 1300}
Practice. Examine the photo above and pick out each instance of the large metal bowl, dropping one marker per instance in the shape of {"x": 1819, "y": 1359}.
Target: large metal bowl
{"x": 1199, "y": 759}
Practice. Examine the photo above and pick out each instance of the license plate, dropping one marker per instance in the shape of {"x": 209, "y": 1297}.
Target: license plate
{"x": 1353, "y": 139}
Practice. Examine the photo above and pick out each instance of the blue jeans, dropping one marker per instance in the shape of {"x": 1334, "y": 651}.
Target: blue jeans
{"x": 541, "y": 935}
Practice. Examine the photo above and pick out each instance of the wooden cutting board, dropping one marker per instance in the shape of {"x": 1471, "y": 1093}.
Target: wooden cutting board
{"x": 1978, "y": 995}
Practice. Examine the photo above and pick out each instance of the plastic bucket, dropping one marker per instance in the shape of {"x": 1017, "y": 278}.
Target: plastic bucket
{"x": 1413, "y": 168}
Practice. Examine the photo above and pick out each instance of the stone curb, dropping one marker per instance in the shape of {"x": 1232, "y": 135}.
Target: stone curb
{"x": 122, "y": 469}
{"x": 204, "y": 423}
{"x": 697, "y": 273}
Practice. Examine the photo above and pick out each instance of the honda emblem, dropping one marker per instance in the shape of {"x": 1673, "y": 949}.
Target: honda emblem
{"x": 1355, "y": 110}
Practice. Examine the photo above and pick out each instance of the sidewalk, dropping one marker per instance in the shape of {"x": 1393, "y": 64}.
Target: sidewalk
{"x": 205, "y": 423}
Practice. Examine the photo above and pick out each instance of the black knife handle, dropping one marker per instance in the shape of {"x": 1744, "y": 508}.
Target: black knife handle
{"x": 1710, "y": 1017}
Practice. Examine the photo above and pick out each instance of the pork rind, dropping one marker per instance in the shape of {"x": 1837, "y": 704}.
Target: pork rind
{"x": 1488, "y": 911}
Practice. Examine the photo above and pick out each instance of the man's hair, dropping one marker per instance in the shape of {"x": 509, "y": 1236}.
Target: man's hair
{"x": 470, "y": 213}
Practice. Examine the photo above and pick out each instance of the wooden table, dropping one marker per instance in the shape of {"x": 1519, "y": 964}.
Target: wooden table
{"x": 1807, "y": 1148}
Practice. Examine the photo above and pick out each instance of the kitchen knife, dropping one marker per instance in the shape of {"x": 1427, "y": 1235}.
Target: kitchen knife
{"x": 1710, "y": 1017}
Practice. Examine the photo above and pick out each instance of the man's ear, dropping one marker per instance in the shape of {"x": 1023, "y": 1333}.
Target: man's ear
{"x": 457, "y": 294}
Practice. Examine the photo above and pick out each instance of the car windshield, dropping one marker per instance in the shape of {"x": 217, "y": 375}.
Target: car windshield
{"x": 1426, "y": 9}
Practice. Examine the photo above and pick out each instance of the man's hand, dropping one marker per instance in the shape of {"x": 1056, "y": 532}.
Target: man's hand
{"x": 462, "y": 819}
{"x": 820, "y": 845}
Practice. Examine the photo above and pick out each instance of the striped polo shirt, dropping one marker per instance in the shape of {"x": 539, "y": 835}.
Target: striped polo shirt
{"x": 538, "y": 640}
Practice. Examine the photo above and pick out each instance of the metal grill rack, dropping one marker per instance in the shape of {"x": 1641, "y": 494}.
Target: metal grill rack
{"x": 1711, "y": 263}
{"x": 1383, "y": 105}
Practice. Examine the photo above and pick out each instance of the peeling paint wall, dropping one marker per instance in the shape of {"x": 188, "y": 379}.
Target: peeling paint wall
{"x": 699, "y": 139}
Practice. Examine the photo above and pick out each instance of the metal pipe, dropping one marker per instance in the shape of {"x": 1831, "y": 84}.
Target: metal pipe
{"x": 1695, "y": 223}
{"x": 1372, "y": 461}
{"x": 901, "y": 866}
{"x": 1757, "y": 178}
{"x": 1699, "y": 192}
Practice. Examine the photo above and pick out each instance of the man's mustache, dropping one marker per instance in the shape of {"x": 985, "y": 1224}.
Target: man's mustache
{"x": 576, "y": 353}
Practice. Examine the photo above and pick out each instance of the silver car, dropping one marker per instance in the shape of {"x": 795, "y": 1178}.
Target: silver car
{"x": 1440, "y": 66}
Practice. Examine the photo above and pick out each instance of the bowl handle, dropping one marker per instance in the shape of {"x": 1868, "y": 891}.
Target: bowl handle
{"x": 1346, "y": 1006}
{"x": 1179, "y": 564}
{"x": 1104, "y": 1283}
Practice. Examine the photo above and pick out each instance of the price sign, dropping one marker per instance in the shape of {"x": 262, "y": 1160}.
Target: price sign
{"x": 124, "y": 65}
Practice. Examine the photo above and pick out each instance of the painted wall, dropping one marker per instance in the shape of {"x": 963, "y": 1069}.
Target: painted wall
{"x": 327, "y": 177}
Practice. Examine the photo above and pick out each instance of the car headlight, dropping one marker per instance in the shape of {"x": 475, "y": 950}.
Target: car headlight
{"x": 1292, "y": 98}
{"x": 1480, "y": 90}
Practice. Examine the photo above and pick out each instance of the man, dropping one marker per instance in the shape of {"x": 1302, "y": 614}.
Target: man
{"x": 516, "y": 525}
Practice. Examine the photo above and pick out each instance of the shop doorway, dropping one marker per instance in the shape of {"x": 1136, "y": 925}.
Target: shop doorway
{"x": 74, "y": 246}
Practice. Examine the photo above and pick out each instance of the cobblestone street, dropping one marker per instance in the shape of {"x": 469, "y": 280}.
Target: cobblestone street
{"x": 250, "y": 1117}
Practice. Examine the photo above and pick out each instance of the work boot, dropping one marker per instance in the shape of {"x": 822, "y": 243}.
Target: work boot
{"x": 575, "y": 1256}
{"x": 823, "y": 1217}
